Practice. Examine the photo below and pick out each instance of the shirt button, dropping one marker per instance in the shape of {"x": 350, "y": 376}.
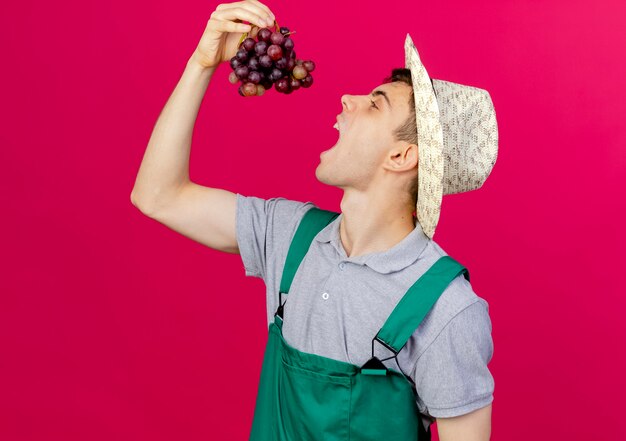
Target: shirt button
{"x": 342, "y": 265}
{"x": 325, "y": 296}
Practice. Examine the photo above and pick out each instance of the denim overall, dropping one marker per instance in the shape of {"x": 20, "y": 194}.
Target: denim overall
{"x": 307, "y": 397}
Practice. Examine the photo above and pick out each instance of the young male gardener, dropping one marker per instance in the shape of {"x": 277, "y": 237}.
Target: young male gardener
{"x": 400, "y": 149}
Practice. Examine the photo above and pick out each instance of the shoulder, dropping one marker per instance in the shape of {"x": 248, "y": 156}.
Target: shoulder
{"x": 458, "y": 303}
{"x": 279, "y": 208}
{"x": 277, "y": 217}
{"x": 265, "y": 227}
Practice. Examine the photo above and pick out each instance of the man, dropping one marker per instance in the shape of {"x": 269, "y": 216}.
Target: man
{"x": 398, "y": 152}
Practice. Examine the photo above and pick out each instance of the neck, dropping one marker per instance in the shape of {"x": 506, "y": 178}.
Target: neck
{"x": 371, "y": 225}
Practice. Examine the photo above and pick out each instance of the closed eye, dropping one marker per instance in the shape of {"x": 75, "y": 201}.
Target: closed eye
{"x": 373, "y": 104}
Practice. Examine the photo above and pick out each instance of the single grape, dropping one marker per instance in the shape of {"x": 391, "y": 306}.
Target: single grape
{"x": 248, "y": 44}
{"x": 275, "y": 52}
{"x": 277, "y": 38}
{"x": 306, "y": 81}
{"x": 266, "y": 61}
{"x": 275, "y": 74}
{"x": 242, "y": 72}
{"x": 254, "y": 77}
{"x": 264, "y": 34}
{"x": 260, "y": 90}
{"x": 292, "y": 54}
{"x": 232, "y": 77}
{"x": 240, "y": 90}
{"x": 309, "y": 65}
{"x": 288, "y": 43}
{"x": 282, "y": 85}
{"x": 234, "y": 62}
{"x": 294, "y": 84}
{"x": 299, "y": 72}
{"x": 291, "y": 63}
{"x": 260, "y": 47}
{"x": 299, "y": 62}
{"x": 281, "y": 63}
{"x": 253, "y": 63}
{"x": 242, "y": 55}
{"x": 284, "y": 30}
{"x": 249, "y": 89}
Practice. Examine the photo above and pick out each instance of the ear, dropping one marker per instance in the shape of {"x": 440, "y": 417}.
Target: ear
{"x": 404, "y": 157}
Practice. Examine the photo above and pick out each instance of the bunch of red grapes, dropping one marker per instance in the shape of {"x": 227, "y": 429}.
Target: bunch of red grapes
{"x": 269, "y": 60}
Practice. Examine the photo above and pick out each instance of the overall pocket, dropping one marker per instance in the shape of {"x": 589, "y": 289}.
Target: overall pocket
{"x": 313, "y": 406}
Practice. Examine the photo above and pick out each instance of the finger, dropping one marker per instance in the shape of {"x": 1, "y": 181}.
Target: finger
{"x": 260, "y": 9}
{"x": 268, "y": 10}
{"x": 247, "y": 11}
{"x": 230, "y": 26}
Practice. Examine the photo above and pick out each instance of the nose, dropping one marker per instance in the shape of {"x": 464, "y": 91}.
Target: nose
{"x": 346, "y": 101}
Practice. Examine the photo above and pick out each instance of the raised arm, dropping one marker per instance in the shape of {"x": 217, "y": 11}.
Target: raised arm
{"x": 163, "y": 190}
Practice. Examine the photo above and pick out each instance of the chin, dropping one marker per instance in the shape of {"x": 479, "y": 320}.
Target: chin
{"x": 320, "y": 175}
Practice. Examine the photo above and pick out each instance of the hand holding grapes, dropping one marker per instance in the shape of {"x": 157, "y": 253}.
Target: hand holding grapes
{"x": 223, "y": 31}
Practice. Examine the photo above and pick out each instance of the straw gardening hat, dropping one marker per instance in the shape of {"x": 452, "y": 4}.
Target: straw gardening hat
{"x": 457, "y": 136}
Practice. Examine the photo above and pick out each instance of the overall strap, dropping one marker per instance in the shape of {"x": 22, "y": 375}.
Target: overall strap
{"x": 313, "y": 222}
{"x": 417, "y": 302}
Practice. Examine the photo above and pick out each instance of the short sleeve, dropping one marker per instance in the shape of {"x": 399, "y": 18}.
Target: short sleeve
{"x": 264, "y": 227}
{"x": 452, "y": 377}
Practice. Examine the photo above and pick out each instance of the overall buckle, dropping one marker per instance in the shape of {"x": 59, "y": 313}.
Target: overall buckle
{"x": 374, "y": 367}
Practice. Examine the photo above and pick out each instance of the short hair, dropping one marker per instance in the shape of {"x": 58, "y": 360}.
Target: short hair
{"x": 407, "y": 131}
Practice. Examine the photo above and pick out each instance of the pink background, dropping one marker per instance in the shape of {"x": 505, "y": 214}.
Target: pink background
{"x": 113, "y": 327}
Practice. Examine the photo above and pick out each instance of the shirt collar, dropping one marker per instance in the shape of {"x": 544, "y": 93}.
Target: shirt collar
{"x": 398, "y": 257}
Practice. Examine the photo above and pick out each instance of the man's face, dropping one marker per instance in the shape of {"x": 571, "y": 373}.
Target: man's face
{"x": 365, "y": 137}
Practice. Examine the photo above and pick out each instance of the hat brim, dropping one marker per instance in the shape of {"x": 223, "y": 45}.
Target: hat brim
{"x": 430, "y": 142}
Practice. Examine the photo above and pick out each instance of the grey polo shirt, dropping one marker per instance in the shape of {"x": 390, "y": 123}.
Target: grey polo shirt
{"x": 337, "y": 304}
